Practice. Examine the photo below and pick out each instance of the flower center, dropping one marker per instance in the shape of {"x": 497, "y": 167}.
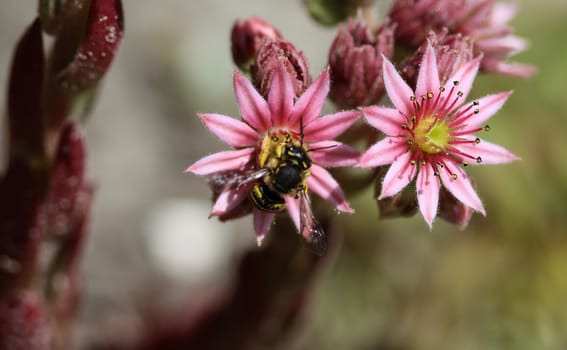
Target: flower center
{"x": 431, "y": 135}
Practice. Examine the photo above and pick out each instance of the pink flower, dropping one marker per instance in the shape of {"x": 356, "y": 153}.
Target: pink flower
{"x": 429, "y": 134}
{"x": 265, "y": 124}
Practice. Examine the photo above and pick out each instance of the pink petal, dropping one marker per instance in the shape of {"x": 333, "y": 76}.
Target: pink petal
{"x": 253, "y": 107}
{"x": 510, "y": 44}
{"x": 310, "y": 103}
{"x": 399, "y": 175}
{"x": 427, "y": 186}
{"x": 333, "y": 154}
{"x": 503, "y": 13}
{"x": 398, "y": 90}
{"x": 461, "y": 187}
{"x": 383, "y": 152}
{"x": 465, "y": 77}
{"x": 222, "y": 161}
{"x": 487, "y": 107}
{"x": 322, "y": 183}
{"x": 280, "y": 98}
{"x": 262, "y": 222}
{"x": 512, "y": 69}
{"x": 428, "y": 77}
{"x": 232, "y": 131}
{"x": 292, "y": 205}
{"x": 330, "y": 126}
{"x": 228, "y": 200}
{"x": 490, "y": 153}
{"x": 387, "y": 120}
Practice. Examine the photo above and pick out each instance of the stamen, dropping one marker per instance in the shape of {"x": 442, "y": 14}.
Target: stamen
{"x": 465, "y": 163}
{"x": 466, "y": 132}
{"x": 487, "y": 127}
{"x": 478, "y": 160}
{"x": 477, "y": 140}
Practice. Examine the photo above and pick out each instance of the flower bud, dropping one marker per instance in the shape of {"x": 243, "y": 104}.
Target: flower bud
{"x": 452, "y": 210}
{"x": 274, "y": 54}
{"x": 451, "y": 51}
{"x": 402, "y": 204}
{"x": 331, "y": 12}
{"x": 246, "y": 38}
{"x": 355, "y": 59}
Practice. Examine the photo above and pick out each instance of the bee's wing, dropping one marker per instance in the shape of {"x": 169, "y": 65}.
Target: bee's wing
{"x": 310, "y": 228}
{"x": 235, "y": 178}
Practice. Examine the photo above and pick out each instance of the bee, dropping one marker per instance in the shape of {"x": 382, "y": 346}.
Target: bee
{"x": 283, "y": 169}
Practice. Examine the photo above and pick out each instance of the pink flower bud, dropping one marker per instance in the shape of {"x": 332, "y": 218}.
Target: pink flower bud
{"x": 355, "y": 59}
{"x": 402, "y": 204}
{"x": 452, "y": 210}
{"x": 274, "y": 54}
{"x": 451, "y": 50}
{"x": 246, "y": 38}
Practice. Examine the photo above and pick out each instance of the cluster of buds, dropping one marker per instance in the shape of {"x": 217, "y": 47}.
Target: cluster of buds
{"x": 282, "y": 145}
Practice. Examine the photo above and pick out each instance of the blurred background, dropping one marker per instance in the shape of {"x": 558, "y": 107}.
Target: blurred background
{"x": 500, "y": 284}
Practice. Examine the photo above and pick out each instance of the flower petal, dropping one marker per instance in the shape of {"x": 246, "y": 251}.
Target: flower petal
{"x": 323, "y": 183}
{"x": 280, "y": 97}
{"x": 333, "y": 154}
{"x": 262, "y": 222}
{"x": 512, "y": 69}
{"x": 487, "y": 107}
{"x": 398, "y": 90}
{"x": 222, "y": 161}
{"x": 253, "y": 108}
{"x": 490, "y": 153}
{"x": 232, "y": 131}
{"x": 428, "y": 76}
{"x": 427, "y": 186}
{"x": 310, "y": 103}
{"x": 461, "y": 187}
{"x": 329, "y": 126}
{"x": 464, "y": 77}
{"x": 399, "y": 175}
{"x": 387, "y": 120}
{"x": 292, "y": 205}
{"x": 228, "y": 200}
{"x": 383, "y": 152}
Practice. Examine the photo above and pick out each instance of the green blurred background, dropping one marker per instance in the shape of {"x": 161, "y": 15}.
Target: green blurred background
{"x": 500, "y": 284}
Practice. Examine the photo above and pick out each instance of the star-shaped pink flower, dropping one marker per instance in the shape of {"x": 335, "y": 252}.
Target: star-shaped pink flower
{"x": 429, "y": 135}
{"x": 264, "y": 119}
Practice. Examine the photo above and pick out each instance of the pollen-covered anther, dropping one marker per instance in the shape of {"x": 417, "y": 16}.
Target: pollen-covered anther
{"x": 404, "y": 126}
{"x": 465, "y": 163}
{"x": 441, "y": 89}
{"x": 453, "y": 176}
{"x": 412, "y": 162}
{"x": 430, "y": 95}
{"x": 412, "y": 98}
{"x": 477, "y": 140}
{"x": 486, "y": 127}
{"x": 456, "y": 83}
{"x": 478, "y": 160}
{"x": 475, "y": 103}
{"x": 460, "y": 93}
{"x": 476, "y": 111}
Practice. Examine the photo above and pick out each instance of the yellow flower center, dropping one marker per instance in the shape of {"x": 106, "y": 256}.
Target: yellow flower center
{"x": 431, "y": 135}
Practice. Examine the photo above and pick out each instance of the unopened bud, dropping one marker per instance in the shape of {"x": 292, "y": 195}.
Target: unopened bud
{"x": 331, "y": 12}
{"x": 246, "y": 38}
{"x": 402, "y": 204}
{"x": 452, "y": 210}
{"x": 355, "y": 59}
{"x": 451, "y": 51}
{"x": 274, "y": 54}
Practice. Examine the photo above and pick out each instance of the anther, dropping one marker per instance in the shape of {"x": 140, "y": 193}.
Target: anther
{"x": 476, "y": 110}
{"x": 275, "y": 138}
{"x": 436, "y": 173}
{"x": 404, "y": 126}
{"x": 412, "y": 162}
{"x": 413, "y": 119}
{"x": 412, "y": 98}
{"x": 460, "y": 93}
{"x": 487, "y": 127}
{"x": 442, "y": 89}
{"x": 475, "y": 103}
{"x": 430, "y": 95}
{"x": 465, "y": 163}
{"x": 478, "y": 160}
{"x": 423, "y": 162}
{"x": 423, "y": 98}
{"x": 456, "y": 83}
{"x": 454, "y": 176}
{"x": 477, "y": 140}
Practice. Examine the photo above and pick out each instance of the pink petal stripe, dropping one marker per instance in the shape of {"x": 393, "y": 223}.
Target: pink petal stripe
{"x": 387, "y": 120}
{"x": 427, "y": 186}
{"x": 399, "y": 175}
{"x": 280, "y": 97}
{"x": 428, "y": 76}
{"x": 222, "y": 161}
{"x": 232, "y": 131}
{"x": 490, "y": 153}
{"x": 503, "y": 13}
{"x": 398, "y": 90}
{"x": 329, "y": 126}
{"x": 512, "y": 69}
{"x": 465, "y": 76}
{"x": 461, "y": 188}
{"x": 322, "y": 183}
{"x": 310, "y": 103}
{"x": 383, "y": 152}
{"x": 228, "y": 200}
{"x": 262, "y": 222}
{"x": 333, "y": 154}
{"x": 292, "y": 205}
{"x": 487, "y": 106}
{"x": 253, "y": 108}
